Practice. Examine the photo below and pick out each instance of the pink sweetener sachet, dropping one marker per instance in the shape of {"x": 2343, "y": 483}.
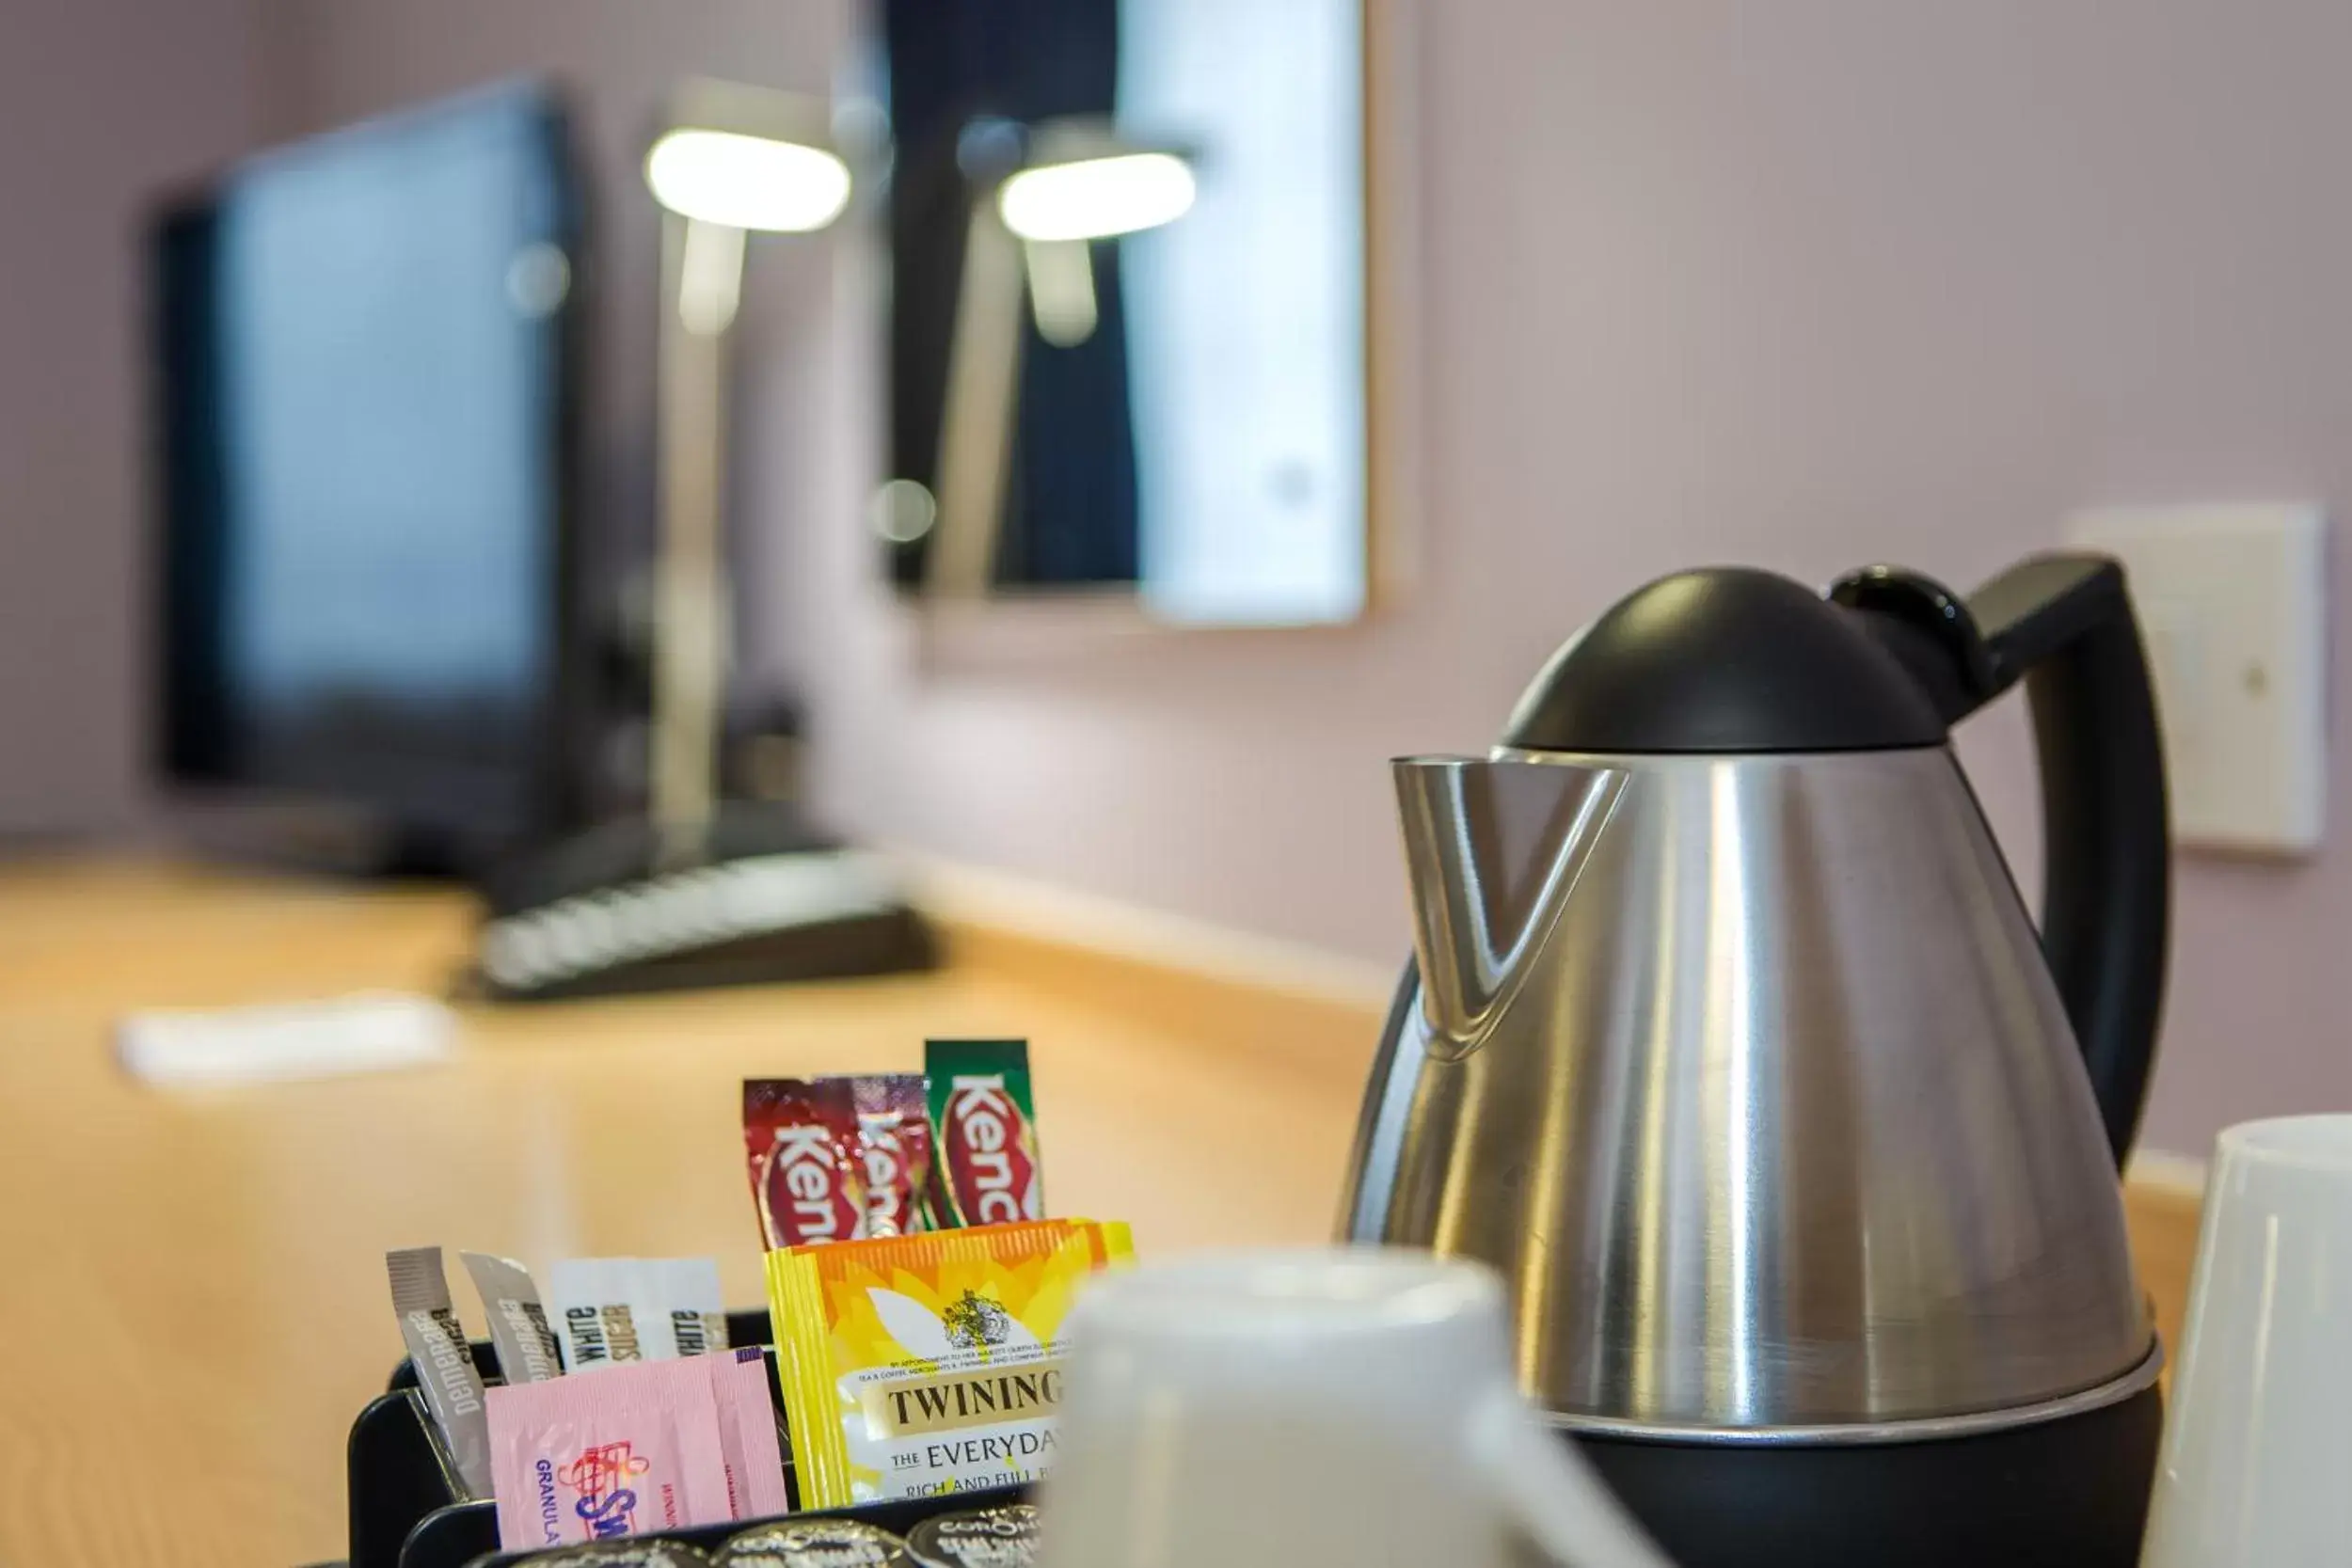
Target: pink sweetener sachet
{"x": 631, "y": 1449}
{"x": 747, "y": 1433}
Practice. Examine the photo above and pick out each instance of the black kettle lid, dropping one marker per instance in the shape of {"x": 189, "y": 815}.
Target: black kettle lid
{"x": 1724, "y": 658}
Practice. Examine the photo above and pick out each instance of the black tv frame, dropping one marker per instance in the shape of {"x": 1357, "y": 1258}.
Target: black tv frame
{"x": 214, "y": 809}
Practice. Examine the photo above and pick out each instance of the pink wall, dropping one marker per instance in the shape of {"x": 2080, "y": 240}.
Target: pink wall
{"x": 103, "y": 103}
{"x": 1807, "y": 284}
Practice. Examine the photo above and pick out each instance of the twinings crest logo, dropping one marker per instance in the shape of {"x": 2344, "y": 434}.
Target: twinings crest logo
{"x": 985, "y": 1145}
{"x": 975, "y": 1323}
{"x": 807, "y": 1201}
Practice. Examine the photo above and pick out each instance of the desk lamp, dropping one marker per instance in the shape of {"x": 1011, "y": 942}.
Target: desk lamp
{"x": 704, "y": 891}
{"x": 735, "y": 161}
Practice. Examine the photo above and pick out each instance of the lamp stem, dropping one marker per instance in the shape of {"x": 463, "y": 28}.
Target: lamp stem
{"x": 975, "y": 426}
{"x": 702, "y": 267}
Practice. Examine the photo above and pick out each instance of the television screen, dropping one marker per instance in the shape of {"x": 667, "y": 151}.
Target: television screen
{"x": 362, "y": 353}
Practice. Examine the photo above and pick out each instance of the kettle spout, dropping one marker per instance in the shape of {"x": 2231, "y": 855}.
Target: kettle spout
{"x": 1492, "y": 849}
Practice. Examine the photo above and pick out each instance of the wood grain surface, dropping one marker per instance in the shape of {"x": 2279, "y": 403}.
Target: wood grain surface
{"x": 194, "y": 1304}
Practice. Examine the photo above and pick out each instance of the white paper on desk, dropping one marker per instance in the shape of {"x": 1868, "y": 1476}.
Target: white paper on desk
{"x": 371, "y": 1031}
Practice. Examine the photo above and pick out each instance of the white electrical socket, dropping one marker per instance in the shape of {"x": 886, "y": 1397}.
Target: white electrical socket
{"x": 2232, "y": 603}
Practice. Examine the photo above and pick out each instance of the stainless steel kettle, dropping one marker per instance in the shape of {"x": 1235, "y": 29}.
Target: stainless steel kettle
{"x": 1731, "y": 1044}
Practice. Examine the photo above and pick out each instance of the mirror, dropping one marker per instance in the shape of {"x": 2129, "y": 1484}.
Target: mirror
{"x": 1127, "y": 334}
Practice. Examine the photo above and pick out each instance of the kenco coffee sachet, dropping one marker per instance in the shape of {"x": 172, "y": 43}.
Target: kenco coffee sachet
{"x": 984, "y": 1124}
{"x": 895, "y": 1155}
{"x": 894, "y": 1143}
{"x": 801, "y": 1146}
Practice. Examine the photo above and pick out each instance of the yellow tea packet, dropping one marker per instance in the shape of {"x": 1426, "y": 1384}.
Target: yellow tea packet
{"x": 916, "y": 1365}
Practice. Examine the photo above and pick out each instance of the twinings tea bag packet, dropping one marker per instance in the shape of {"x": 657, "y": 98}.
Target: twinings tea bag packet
{"x": 985, "y": 1123}
{"x": 916, "y": 1365}
{"x": 801, "y": 1146}
{"x": 444, "y": 1361}
{"x": 893, "y": 1144}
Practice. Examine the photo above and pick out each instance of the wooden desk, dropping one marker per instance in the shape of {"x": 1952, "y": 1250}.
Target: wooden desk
{"x": 193, "y": 1303}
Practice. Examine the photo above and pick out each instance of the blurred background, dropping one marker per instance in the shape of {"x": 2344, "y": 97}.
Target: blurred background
{"x": 1110, "y": 552}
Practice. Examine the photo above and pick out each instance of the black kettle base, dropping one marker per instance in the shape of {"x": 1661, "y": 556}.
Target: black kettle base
{"x": 2071, "y": 1493}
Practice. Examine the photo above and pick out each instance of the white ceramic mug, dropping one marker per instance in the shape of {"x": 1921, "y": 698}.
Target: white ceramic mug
{"x": 2257, "y": 1463}
{"x": 1340, "y": 1406}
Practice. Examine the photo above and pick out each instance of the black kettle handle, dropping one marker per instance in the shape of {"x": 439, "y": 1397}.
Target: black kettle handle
{"x": 2064, "y": 623}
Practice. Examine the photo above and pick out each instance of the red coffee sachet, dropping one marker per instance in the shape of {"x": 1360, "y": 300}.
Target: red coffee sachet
{"x": 894, "y": 1128}
{"x": 808, "y": 1176}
